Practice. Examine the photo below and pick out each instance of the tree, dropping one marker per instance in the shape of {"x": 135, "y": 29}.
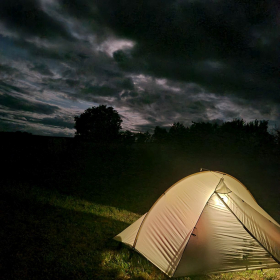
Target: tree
{"x": 143, "y": 137}
{"x": 160, "y": 135}
{"x": 127, "y": 137}
{"x": 100, "y": 124}
{"x": 277, "y": 136}
{"x": 277, "y": 140}
{"x": 178, "y": 133}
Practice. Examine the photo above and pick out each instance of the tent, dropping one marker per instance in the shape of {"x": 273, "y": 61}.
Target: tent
{"x": 207, "y": 222}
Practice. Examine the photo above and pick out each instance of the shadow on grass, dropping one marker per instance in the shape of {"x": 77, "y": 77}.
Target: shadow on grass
{"x": 45, "y": 242}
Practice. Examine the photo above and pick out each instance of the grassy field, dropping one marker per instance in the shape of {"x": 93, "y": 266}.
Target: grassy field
{"x": 61, "y": 207}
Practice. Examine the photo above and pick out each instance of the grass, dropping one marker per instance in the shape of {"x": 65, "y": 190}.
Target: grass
{"x": 59, "y": 210}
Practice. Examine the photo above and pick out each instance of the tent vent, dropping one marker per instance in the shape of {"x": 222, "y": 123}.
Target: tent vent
{"x": 222, "y": 188}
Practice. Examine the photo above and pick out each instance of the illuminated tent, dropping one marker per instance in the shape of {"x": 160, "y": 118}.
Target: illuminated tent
{"x": 207, "y": 222}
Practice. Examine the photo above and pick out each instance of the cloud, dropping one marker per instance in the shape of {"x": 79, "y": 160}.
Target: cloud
{"x": 27, "y": 18}
{"x": 99, "y": 90}
{"x": 7, "y": 88}
{"x": 17, "y": 124}
{"x": 7, "y": 70}
{"x": 83, "y": 9}
{"x": 213, "y": 44}
{"x": 58, "y": 122}
{"x": 20, "y": 104}
{"x": 156, "y": 62}
{"x": 42, "y": 69}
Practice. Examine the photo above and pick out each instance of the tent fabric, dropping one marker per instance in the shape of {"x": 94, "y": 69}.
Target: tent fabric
{"x": 221, "y": 244}
{"x": 266, "y": 232}
{"x": 239, "y": 189}
{"x": 129, "y": 234}
{"x": 207, "y": 222}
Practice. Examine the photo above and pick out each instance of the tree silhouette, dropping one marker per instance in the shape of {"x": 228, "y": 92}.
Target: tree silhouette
{"x": 202, "y": 135}
{"x": 277, "y": 136}
{"x": 99, "y": 124}
{"x": 178, "y": 133}
{"x": 127, "y": 137}
{"x": 247, "y": 137}
{"x": 143, "y": 137}
{"x": 160, "y": 135}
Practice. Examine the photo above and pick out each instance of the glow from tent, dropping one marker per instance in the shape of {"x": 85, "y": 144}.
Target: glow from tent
{"x": 218, "y": 201}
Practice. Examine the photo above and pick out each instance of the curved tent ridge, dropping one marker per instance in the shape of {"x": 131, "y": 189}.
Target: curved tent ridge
{"x": 236, "y": 181}
{"x": 171, "y": 187}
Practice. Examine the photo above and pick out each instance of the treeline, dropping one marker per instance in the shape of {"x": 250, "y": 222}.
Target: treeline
{"x": 236, "y": 135}
{"x": 102, "y": 124}
{"x": 236, "y": 130}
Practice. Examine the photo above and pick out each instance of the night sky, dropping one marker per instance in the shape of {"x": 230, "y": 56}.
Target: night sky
{"x": 155, "y": 61}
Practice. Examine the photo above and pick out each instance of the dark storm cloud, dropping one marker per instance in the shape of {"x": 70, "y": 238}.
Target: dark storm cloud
{"x": 87, "y": 12}
{"x": 126, "y": 83}
{"x": 163, "y": 107}
{"x": 47, "y": 126}
{"x": 230, "y": 115}
{"x": 58, "y": 121}
{"x": 7, "y": 70}
{"x": 147, "y": 127}
{"x": 72, "y": 83}
{"x": 15, "y": 103}
{"x": 82, "y": 9}
{"x": 27, "y": 17}
{"x": 176, "y": 40}
{"x": 33, "y": 51}
{"x": 158, "y": 61}
{"x": 7, "y": 88}
{"x": 42, "y": 69}
{"x": 99, "y": 90}
{"x": 10, "y": 125}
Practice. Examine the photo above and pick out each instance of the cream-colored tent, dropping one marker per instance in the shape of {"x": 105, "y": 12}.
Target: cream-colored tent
{"x": 207, "y": 222}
